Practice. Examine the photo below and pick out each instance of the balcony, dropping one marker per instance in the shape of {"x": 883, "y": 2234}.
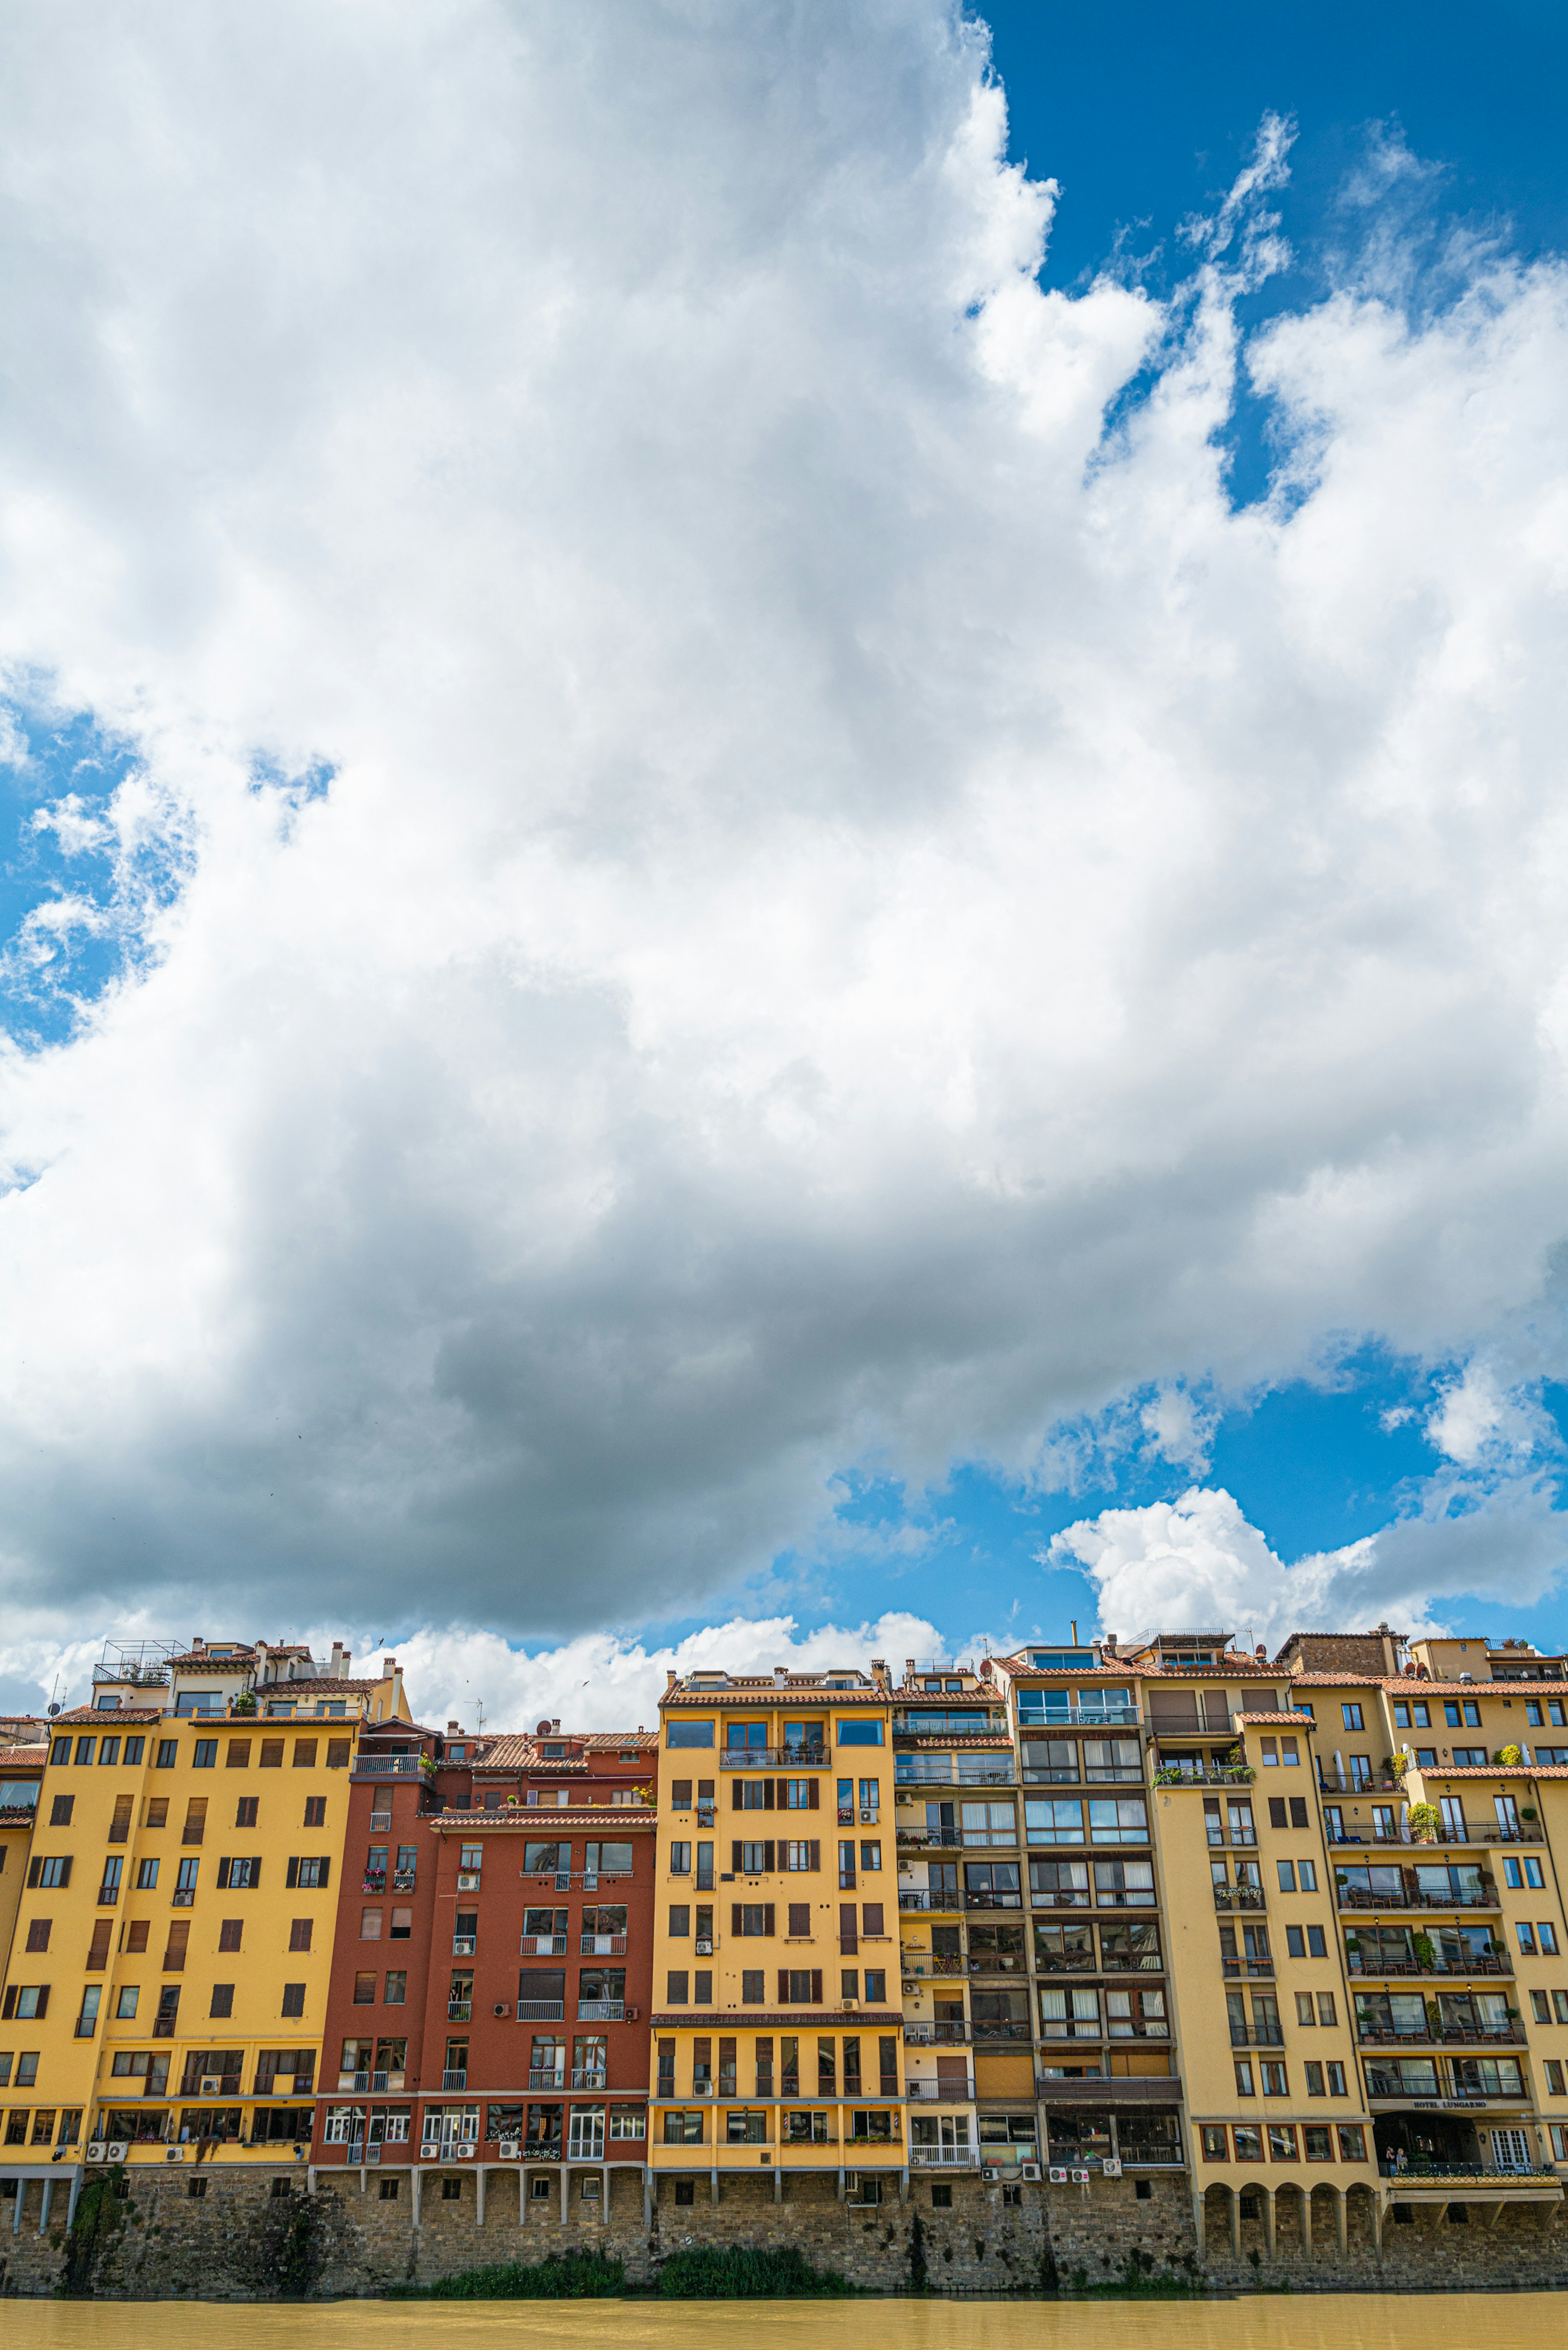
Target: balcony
{"x": 456, "y": 2078}
{"x": 916, "y": 1963}
{"x": 1397, "y": 1969}
{"x": 403, "y": 1880}
{"x": 542, "y": 1946}
{"x": 1247, "y": 1967}
{"x": 939, "y": 2093}
{"x": 1257, "y": 2035}
{"x": 554, "y": 2082}
{"x": 936, "y": 2035}
{"x": 463, "y": 1946}
{"x": 602, "y": 1946}
{"x": 1455, "y": 2035}
{"x": 375, "y": 1880}
{"x": 1004, "y": 2027}
{"x": 1080, "y": 1717}
{"x": 1204, "y": 1774}
{"x": 460, "y": 2010}
{"x": 541, "y": 2011}
{"x": 993, "y": 1900}
{"x": 1350, "y": 1896}
{"x": 997, "y": 1962}
{"x": 943, "y": 1899}
{"x": 1239, "y": 1897}
{"x": 773, "y": 1758}
{"x": 385, "y": 1766}
{"x": 1380, "y": 1782}
{"x": 944, "y": 2157}
{"x": 962, "y": 1770}
{"x": 588, "y": 2076}
{"x": 601, "y": 2011}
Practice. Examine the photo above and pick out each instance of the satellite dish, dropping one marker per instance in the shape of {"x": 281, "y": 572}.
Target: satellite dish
{"x": 542, "y": 1730}
{"x": 53, "y": 1710}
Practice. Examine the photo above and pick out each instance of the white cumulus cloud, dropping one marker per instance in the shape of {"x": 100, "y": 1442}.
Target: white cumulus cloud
{"x": 856, "y": 913}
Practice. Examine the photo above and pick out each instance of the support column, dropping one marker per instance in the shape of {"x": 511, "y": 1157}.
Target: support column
{"x": 310, "y": 2178}
{"x": 416, "y": 2174}
{"x": 1235, "y": 2218}
{"x": 566, "y": 2194}
{"x": 1268, "y": 2195}
{"x": 1341, "y": 2223}
{"x": 713, "y": 2185}
{"x": 48, "y": 2198}
{"x": 21, "y": 2198}
{"x": 522, "y": 2195}
{"x": 1378, "y": 2223}
{"x": 903, "y": 2187}
{"x": 71, "y": 2202}
{"x": 647, "y": 2197}
{"x": 778, "y": 2185}
{"x": 1199, "y": 2218}
{"x": 479, "y": 2202}
{"x": 1307, "y": 2221}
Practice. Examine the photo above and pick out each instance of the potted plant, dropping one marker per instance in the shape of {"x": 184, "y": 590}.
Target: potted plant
{"x": 246, "y": 1702}
{"x": 1528, "y": 1812}
{"x": 1509, "y": 1756}
{"x": 1424, "y": 1820}
{"x": 1421, "y": 1942}
{"x": 1168, "y": 1775}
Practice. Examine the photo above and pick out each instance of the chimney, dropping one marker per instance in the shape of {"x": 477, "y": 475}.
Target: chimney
{"x": 556, "y": 1725}
{"x": 451, "y": 1727}
{"x": 1110, "y": 1642}
{"x": 909, "y": 1666}
{"x": 1261, "y": 1654}
{"x": 340, "y": 1664}
{"x": 389, "y": 1666}
{"x": 781, "y": 1675}
{"x": 669, "y": 1681}
{"x": 198, "y": 1642}
{"x": 879, "y": 1673}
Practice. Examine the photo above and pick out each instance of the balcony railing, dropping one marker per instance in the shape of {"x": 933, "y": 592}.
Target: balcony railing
{"x": 1003, "y": 2027}
{"x": 542, "y": 1946}
{"x": 588, "y": 2076}
{"x": 375, "y": 1880}
{"x": 455, "y": 2078}
{"x": 1078, "y": 1717}
{"x": 556, "y": 2080}
{"x": 941, "y": 1898}
{"x": 1377, "y": 2035}
{"x": 1247, "y": 1966}
{"x": 1389, "y": 1970}
{"x": 1351, "y": 1897}
{"x": 385, "y": 1766}
{"x": 602, "y": 1946}
{"x": 964, "y": 1771}
{"x": 1204, "y": 1774}
{"x": 997, "y": 1962}
{"x": 773, "y": 1758}
{"x": 1239, "y": 1897}
{"x": 935, "y": 2036}
{"x": 931, "y": 2093}
{"x": 541, "y": 2011}
{"x": 1464, "y": 1836}
{"x": 944, "y": 2157}
{"x": 1335, "y": 1783}
{"x": 932, "y": 1962}
{"x": 990, "y": 1900}
{"x": 1418, "y": 2173}
{"x": 460, "y": 2010}
{"x": 601, "y": 2011}
{"x": 1257, "y": 2035}
{"x": 463, "y": 1946}
{"x": 1039, "y": 1775}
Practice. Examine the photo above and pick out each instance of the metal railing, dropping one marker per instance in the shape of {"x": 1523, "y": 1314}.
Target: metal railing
{"x": 1377, "y": 2035}
{"x": 455, "y": 2078}
{"x": 588, "y": 2076}
{"x": 937, "y": 1771}
{"x": 1351, "y": 1897}
{"x": 944, "y": 2157}
{"x": 1003, "y": 2027}
{"x": 556, "y": 2080}
{"x": 1417, "y": 2173}
{"x": 1389, "y": 1970}
{"x": 997, "y": 1962}
{"x": 541, "y": 2011}
{"x": 1204, "y": 1774}
{"x": 601, "y": 2011}
{"x": 936, "y": 2035}
{"x": 1110, "y": 1717}
{"x": 1257, "y": 2035}
{"x": 602, "y": 1946}
{"x": 1247, "y": 1966}
{"x": 1381, "y": 1782}
{"x": 939, "y": 2092}
{"x": 773, "y": 1758}
{"x": 1239, "y": 1897}
{"x": 385, "y": 1766}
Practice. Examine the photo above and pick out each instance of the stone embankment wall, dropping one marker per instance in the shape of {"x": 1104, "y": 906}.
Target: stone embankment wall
{"x": 243, "y": 2240}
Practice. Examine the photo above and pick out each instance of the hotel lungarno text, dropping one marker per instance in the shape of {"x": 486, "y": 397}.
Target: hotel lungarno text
{"x": 1149, "y": 1950}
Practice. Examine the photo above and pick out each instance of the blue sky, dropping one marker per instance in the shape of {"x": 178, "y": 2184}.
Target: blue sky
{"x": 721, "y": 895}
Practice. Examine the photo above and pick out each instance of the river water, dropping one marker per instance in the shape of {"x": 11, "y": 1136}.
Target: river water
{"x": 1323, "y": 2321}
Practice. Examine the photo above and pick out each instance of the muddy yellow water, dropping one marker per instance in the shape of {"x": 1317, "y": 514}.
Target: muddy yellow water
{"x": 1326, "y": 2322}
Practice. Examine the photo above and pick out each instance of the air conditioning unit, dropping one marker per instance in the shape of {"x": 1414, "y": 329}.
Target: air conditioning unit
{"x": 468, "y": 1880}
{"x": 1029, "y": 2170}
{"x": 173, "y": 2154}
{"x": 1058, "y": 2176}
{"x": 867, "y": 1819}
{"x": 503, "y": 2007}
{"x": 118, "y": 2151}
{"x": 511, "y": 2150}
{"x": 430, "y": 2153}
{"x": 98, "y": 2151}
{"x": 467, "y": 2153}
{"x": 634, "y": 2015}
{"x": 1080, "y": 2177}
{"x": 849, "y": 2002}
{"x": 989, "y": 2171}
{"x": 211, "y": 2084}
{"x": 1111, "y": 2167}
{"x": 705, "y": 1946}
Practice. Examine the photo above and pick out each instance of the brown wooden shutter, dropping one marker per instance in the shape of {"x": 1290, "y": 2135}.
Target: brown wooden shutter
{"x": 816, "y": 1986}
{"x": 272, "y": 1754}
{"x": 734, "y": 1917}
{"x": 238, "y": 1757}
{"x": 735, "y": 1856}
{"x": 783, "y": 1986}
{"x": 767, "y": 1916}
{"x": 767, "y": 1794}
{"x": 737, "y": 1802}
{"x": 120, "y": 1826}
{"x": 98, "y": 1956}
{"x": 813, "y": 1854}
{"x": 871, "y": 1917}
{"x": 769, "y": 1849}
{"x": 813, "y": 1801}
{"x": 195, "y": 1826}
{"x": 136, "y": 1934}
{"x": 174, "y": 1955}
{"x": 305, "y": 1754}
{"x": 340, "y": 1754}
{"x": 848, "y": 1941}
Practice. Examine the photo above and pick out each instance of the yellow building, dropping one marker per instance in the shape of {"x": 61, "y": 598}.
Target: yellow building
{"x": 167, "y": 1983}
{"x": 21, "y": 1770}
{"x": 777, "y": 2027}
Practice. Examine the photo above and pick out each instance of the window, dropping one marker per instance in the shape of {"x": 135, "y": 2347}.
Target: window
{"x": 205, "y": 1757}
{"x": 1315, "y": 2079}
{"x": 1526, "y": 1934}
{"x": 690, "y": 1733}
{"x": 1554, "y": 2076}
{"x": 315, "y": 1811}
{"x": 1216, "y": 2148}
{"x": 1244, "y": 2087}
{"x": 309, "y": 1875}
{"x": 1304, "y": 2008}
{"x": 60, "y": 1811}
{"x": 397, "y": 1991}
{"x": 293, "y": 1999}
{"x": 231, "y": 1932}
{"x": 1287, "y": 1876}
{"x": 1560, "y": 2006}
{"x": 1282, "y": 2142}
{"x": 752, "y": 1986}
{"x": 1548, "y": 1933}
{"x": 222, "y": 2000}
{"x": 1540, "y": 2008}
{"x": 680, "y": 1854}
{"x": 125, "y": 2007}
{"x": 1249, "y": 2143}
{"x": 1274, "y": 2083}
{"x": 1307, "y": 1872}
{"x": 1336, "y": 2087}
{"x": 299, "y": 1931}
{"x": 1352, "y": 2142}
{"x": 1350, "y": 1717}
{"x": 241, "y": 1875}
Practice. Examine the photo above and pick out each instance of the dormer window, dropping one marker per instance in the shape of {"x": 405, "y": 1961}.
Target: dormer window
{"x": 457, "y": 1754}
{"x": 553, "y": 1753}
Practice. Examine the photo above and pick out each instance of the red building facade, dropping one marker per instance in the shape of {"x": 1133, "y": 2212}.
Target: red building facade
{"x": 493, "y": 1966}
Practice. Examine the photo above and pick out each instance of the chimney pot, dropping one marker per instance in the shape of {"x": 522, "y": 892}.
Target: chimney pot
{"x": 389, "y": 1666}
{"x": 451, "y": 1725}
{"x": 670, "y": 1679}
